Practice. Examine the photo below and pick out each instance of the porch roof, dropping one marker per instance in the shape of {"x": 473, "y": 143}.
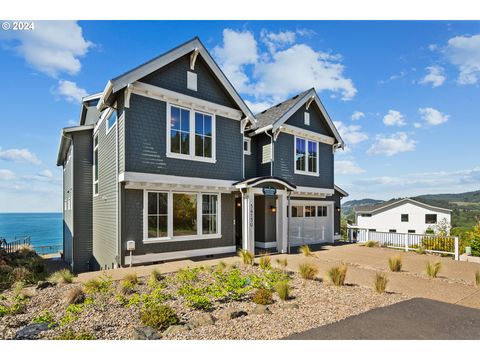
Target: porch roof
{"x": 263, "y": 179}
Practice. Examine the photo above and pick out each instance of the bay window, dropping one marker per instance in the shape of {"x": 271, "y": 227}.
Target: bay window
{"x": 306, "y": 156}
{"x": 190, "y": 134}
{"x": 180, "y": 216}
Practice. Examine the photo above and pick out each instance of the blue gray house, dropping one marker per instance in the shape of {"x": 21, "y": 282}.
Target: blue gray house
{"x": 168, "y": 162}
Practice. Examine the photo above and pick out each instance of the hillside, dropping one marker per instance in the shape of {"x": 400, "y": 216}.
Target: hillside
{"x": 465, "y": 206}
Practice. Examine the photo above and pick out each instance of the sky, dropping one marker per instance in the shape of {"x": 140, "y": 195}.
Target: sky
{"x": 403, "y": 95}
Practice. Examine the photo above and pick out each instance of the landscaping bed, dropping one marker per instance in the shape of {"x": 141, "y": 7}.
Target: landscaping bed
{"x": 200, "y": 303}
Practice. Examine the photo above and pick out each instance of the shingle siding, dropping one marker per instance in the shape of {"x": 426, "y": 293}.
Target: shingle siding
{"x": 132, "y": 218}
{"x": 105, "y": 204}
{"x": 284, "y": 164}
{"x": 318, "y": 123}
{"x": 145, "y": 144}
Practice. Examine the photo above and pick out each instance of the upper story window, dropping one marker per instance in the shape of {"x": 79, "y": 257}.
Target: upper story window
{"x": 306, "y": 156}
{"x": 404, "y": 217}
{"x": 430, "y": 218}
{"x": 95, "y": 165}
{"x": 112, "y": 119}
{"x": 191, "y": 134}
{"x": 247, "y": 143}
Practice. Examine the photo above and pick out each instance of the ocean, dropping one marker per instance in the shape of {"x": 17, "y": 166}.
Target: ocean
{"x": 45, "y": 229}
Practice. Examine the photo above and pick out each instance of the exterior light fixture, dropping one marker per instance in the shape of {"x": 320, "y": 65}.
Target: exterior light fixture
{"x": 239, "y": 204}
{"x": 338, "y": 209}
{"x": 273, "y": 209}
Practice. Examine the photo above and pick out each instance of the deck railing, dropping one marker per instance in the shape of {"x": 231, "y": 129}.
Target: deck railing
{"x": 429, "y": 243}
{"x": 16, "y": 244}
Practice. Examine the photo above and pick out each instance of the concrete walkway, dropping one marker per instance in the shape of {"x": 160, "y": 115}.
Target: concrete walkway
{"x": 455, "y": 283}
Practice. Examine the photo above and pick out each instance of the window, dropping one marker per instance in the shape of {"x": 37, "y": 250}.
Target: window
{"x": 322, "y": 211}
{"x": 306, "y": 156}
{"x": 297, "y": 211}
{"x": 95, "y": 165}
{"x": 203, "y": 135}
{"x": 411, "y": 231}
{"x": 307, "y": 118}
{"x": 392, "y": 230}
{"x": 247, "y": 146}
{"x": 112, "y": 120}
{"x": 404, "y": 217}
{"x": 309, "y": 211}
{"x": 157, "y": 215}
{"x": 191, "y": 81}
{"x": 430, "y": 218}
{"x": 372, "y": 230}
{"x": 182, "y": 216}
{"x": 191, "y": 134}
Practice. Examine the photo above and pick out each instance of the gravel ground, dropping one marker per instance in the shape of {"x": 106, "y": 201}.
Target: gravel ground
{"x": 319, "y": 303}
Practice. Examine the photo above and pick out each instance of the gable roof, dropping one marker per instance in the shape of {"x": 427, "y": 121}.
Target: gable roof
{"x": 368, "y": 209}
{"x": 340, "y": 190}
{"x": 277, "y": 115}
{"x": 188, "y": 47}
{"x": 66, "y": 140}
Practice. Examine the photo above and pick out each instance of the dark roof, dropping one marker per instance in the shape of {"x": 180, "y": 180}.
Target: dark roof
{"x": 370, "y": 208}
{"x": 271, "y": 115}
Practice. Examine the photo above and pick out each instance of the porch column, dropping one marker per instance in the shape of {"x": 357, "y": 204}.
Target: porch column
{"x": 248, "y": 220}
{"x": 282, "y": 229}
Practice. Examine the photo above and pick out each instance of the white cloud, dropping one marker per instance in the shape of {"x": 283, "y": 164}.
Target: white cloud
{"x": 45, "y": 173}
{"x": 279, "y": 73}
{"x": 432, "y": 47}
{"x": 347, "y": 167}
{"x": 464, "y": 52}
{"x": 391, "y": 145}
{"x": 6, "y": 174}
{"x": 432, "y": 116}
{"x": 70, "y": 91}
{"x": 259, "y": 106}
{"x": 357, "y": 115}
{"x": 351, "y": 134}
{"x": 417, "y": 125}
{"x": 53, "y": 47}
{"x": 435, "y": 76}
{"x": 273, "y": 41}
{"x": 19, "y": 155}
{"x": 394, "y": 118}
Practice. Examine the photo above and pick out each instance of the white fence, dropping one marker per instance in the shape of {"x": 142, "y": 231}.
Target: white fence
{"x": 430, "y": 243}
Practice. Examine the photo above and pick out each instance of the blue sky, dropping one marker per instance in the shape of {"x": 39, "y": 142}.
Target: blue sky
{"x": 404, "y": 95}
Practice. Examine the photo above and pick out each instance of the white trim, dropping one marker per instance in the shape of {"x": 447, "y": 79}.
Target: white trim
{"x": 300, "y": 190}
{"x": 306, "y": 118}
{"x": 340, "y": 190}
{"x": 95, "y": 166}
{"x": 192, "y": 81}
{"x": 249, "y": 147}
{"x": 337, "y": 237}
{"x": 243, "y": 185}
{"x": 170, "y": 237}
{"x": 305, "y": 172}
{"x": 138, "y": 259}
{"x": 160, "y": 179}
{"x": 158, "y": 93}
{"x": 111, "y": 112}
{"x": 306, "y": 134}
{"x": 191, "y": 156}
{"x": 266, "y": 245}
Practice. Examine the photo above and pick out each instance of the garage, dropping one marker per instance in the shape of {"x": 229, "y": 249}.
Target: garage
{"x": 311, "y": 222}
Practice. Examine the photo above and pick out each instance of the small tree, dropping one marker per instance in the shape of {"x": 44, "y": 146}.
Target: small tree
{"x": 442, "y": 228}
{"x": 473, "y": 237}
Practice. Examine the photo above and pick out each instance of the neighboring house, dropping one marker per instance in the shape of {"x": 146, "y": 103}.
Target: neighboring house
{"x": 168, "y": 162}
{"x": 400, "y": 215}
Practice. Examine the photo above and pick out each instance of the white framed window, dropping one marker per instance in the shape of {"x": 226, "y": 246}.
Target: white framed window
{"x": 181, "y": 216}
{"x": 111, "y": 120}
{"x": 322, "y": 211}
{"x": 306, "y": 118}
{"x": 95, "y": 165}
{"x": 306, "y": 156}
{"x": 190, "y": 134}
{"x": 247, "y": 143}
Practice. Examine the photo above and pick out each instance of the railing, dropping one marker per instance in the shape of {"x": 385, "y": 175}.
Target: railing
{"x": 15, "y": 245}
{"x": 48, "y": 249}
{"x": 429, "y": 243}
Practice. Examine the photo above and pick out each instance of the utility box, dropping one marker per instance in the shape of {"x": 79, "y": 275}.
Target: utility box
{"x": 130, "y": 245}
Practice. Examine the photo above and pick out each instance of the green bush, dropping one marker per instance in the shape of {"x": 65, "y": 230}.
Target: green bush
{"x": 63, "y": 276}
{"x": 380, "y": 283}
{"x": 154, "y": 278}
{"x": 102, "y": 285}
{"x": 188, "y": 275}
{"x": 283, "y": 290}
{"x": 473, "y": 237}
{"x": 395, "y": 263}
{"x": 308, "y": 271}
{"x": 159, "y": 317}
{"x": 45, "y": 317}
{"x": 371, "y": 243}
{"x": 262, "y": 297}
{"x": 199, "y": 302}
{"x": 75, "y": 335}
{"x": 337, "y": 275}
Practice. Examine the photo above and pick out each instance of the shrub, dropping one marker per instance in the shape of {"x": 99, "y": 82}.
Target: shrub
{"x": 262, "y": 297}
{"x": 131, "y": 278}
{"x": 188, "y": 275}
{"x": 63, "y": 276}
{"x": 395, "y": 263}
{"x": 246, "y": 256}
{"x": 283, "y": 290}
{"x": 75, "y": 296}
{"x": 380, "y": 283}
{"x": 433, "y": 269}
{"x": 282, "y": 262}
{"x": 45, "y": 317}
{"x": 439, "y": 243}
{"x": 305, "y": 250}
{"x": 371, "y": 243}
{"x": 221, "y": 266}
{"x": 75, "y": 335}
{"x": 420, "y": 250}
{"x": 473, "y": 237}
{"x": 102, "y": 285}
{"x": 154, "y": 278}
{"x": 308, "y": 271}
{"x": 477, "y": 278}
{"x": 159, "y": 317}
{"x": 199, "y": 302}
{"x": 337, "y": 275}
{"x": 265, "y": 262}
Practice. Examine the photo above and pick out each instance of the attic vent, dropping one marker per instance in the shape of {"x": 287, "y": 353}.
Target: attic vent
{"x": 191, "y": 81}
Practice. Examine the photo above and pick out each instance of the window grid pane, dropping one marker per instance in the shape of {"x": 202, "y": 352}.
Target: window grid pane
{"x": 179, "y": 130}
{"x": 209, "y": 214}
{"x": 300, "y": 155}
{"x": 184, "y": 214}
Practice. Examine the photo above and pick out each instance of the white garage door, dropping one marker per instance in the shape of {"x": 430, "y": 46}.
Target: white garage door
{"x": 311, "y": 222}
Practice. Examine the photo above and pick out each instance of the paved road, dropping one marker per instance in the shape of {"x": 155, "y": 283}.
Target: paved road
{"x": 415, "y": 319}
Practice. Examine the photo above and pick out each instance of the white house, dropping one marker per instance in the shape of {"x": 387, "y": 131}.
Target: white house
{"x": 401, "y": 215}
